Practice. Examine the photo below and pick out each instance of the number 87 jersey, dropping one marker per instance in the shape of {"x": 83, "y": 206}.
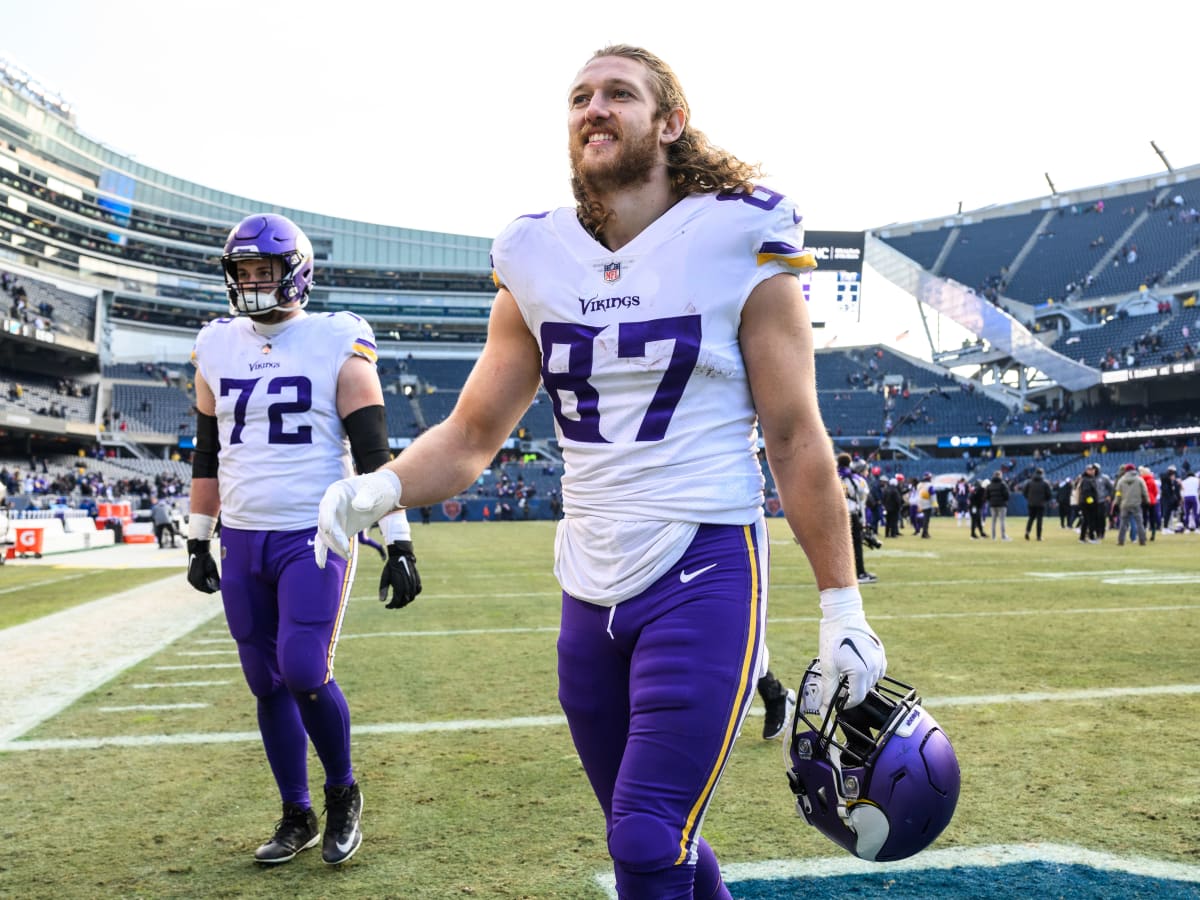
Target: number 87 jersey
{"x": 640, "y": 352}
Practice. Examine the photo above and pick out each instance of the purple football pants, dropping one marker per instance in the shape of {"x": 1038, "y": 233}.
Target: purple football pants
{"x": 1190, "y": 517}
{"x": 655, "y": 690}
{"x": 285, "y": 615}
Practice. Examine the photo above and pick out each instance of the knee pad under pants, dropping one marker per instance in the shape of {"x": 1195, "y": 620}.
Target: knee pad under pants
{"x": 301, "y": 664}
{"x": 644, "y": 850}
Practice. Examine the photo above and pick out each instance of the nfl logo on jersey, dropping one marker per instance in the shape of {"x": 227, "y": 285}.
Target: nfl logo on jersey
{"x": 612, "y": 272}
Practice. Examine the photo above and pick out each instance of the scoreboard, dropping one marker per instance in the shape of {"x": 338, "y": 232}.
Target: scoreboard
{"x": 834, "y": 290}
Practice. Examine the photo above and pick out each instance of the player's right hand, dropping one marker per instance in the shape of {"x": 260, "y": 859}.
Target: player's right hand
{"x": 849, "y": 646}
{"x": 400, "y": 576}
{"x": 351, "y": 505}
{"x": 202, "y": 573}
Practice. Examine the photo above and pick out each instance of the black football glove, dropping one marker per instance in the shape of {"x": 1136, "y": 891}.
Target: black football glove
{"x": 400, "y": 575}
{"x": 202, "y": 571}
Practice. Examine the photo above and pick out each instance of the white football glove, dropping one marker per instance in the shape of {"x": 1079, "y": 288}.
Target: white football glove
{"x": 848, "y": 646}
{"x": 349, "y": 506}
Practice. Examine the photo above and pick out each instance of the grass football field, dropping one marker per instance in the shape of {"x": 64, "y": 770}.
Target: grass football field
{"x": 1066, "y": 674}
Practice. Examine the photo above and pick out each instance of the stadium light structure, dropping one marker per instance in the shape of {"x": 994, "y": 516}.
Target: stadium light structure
{"x": 1161, "y": 156}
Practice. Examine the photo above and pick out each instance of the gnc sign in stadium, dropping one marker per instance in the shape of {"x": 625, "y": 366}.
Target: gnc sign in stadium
{"x": 1092, "y": 437}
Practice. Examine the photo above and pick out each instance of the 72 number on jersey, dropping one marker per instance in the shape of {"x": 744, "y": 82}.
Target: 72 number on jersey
{"x": 277, "y": 432}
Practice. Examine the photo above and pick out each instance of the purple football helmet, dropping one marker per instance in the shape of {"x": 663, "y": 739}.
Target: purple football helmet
{"x": 881, "y": 779}
{"x": 268, "y": 237}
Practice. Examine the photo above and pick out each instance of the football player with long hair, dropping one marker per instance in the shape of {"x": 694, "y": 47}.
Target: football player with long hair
{"x": 664, "y": 317}
{"x": 280, "y": 391}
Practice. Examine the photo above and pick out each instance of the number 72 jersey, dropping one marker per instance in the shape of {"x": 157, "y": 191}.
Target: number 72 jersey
{"x": 282, "y": 441}
{"x": 640, "y": 352}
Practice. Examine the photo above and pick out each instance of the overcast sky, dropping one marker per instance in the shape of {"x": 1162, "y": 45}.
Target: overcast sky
{"x": 452, "y": 115}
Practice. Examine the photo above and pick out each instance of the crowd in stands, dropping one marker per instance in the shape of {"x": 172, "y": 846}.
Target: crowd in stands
{"x": 45, "y": 307}
{"x": 82, "y": 482}
{"x": 59, "y": 398}
{"x": 1122, "y": 341}
{"x": 22, "y": 309}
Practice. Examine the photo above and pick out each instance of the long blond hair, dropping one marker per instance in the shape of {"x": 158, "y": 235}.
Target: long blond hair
{"x": 694, "y": 165}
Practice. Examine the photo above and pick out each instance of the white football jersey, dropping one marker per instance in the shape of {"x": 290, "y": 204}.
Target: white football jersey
{"x": 641, "y": 360}
{"x": 282, "y": 441}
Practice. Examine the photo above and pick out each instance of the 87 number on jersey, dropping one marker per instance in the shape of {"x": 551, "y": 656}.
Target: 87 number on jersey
{"x": 632, "y": 338}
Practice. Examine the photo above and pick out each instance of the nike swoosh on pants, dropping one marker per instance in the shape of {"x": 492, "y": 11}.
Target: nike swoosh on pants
{"x": 685, "y": 577}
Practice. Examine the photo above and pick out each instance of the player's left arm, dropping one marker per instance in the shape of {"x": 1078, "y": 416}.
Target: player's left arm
{"x": 204, "y": 504}
{"x": 776, "y": 342}
{"x": 361, "y": 409}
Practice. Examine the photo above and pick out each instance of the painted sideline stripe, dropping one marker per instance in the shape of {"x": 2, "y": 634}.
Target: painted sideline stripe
{"x": 546, "y": 721}
{"x": 235, "y": 737}
{"x": 33, "y": 584}
{"x": 198, "y": 666}
{"x": 989, "y": 856}
{"x": 179, "y": 684}
{"x": 1069, "y": 696}
{"x": 455, "y": 632}
{"x": 1010, "y": 613}
{"x": 152, "y": 707}
{"x": 1160, "y": 578}
{"x": 541, "y": 629}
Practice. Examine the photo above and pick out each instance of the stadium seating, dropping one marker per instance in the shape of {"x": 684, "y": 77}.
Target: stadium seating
{"x": 983, "y": 249}
{"x": 69, "y": 313}
{"x": 160, "y": 410}
{"x": 1070, "y": 245}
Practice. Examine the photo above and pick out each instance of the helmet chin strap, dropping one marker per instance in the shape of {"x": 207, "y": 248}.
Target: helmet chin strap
{"x": 835, "y": 760}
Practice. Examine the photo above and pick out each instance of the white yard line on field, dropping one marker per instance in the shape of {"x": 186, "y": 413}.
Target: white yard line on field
{"x": 51, "y": 662}
{"x": 557, "y": 721}
{"x": 178, "y": 684}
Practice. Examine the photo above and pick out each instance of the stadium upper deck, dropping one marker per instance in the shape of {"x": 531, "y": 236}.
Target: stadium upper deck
{"x": 74, "y": 209}
{"x": 127, "y": 257}
{"x": 1084, "y": 248}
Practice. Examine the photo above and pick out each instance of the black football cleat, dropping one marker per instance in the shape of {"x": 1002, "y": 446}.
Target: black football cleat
{"x": 777, "y": 714}
{"x": 297, "y": 830}
{"x": 343, "y": 829}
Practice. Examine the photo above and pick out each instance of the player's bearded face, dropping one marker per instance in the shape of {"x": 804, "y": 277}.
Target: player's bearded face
{"x": 636, "y": 156}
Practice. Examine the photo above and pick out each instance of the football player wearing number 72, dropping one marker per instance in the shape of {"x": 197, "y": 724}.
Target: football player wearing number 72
{"x": 664, "y": 317}
{"x": 280, "y": 391}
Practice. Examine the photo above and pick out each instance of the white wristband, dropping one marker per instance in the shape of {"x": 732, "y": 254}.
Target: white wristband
{"x": 838, "y": 602}
{"x": 200, "y": 527}
{"x": 395, "y": 527}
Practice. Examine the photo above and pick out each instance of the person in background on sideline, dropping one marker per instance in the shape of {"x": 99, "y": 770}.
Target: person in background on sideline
{"x": 978, "y": 502}
{"x": 1090, "y": 513}
{"x": 1129, "y": 496}
{"x": 1038, "y": 496}
{"x": 997, "y": 500}
{"x": 1150, "y": 512}
{"x": 854, "y": 488}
